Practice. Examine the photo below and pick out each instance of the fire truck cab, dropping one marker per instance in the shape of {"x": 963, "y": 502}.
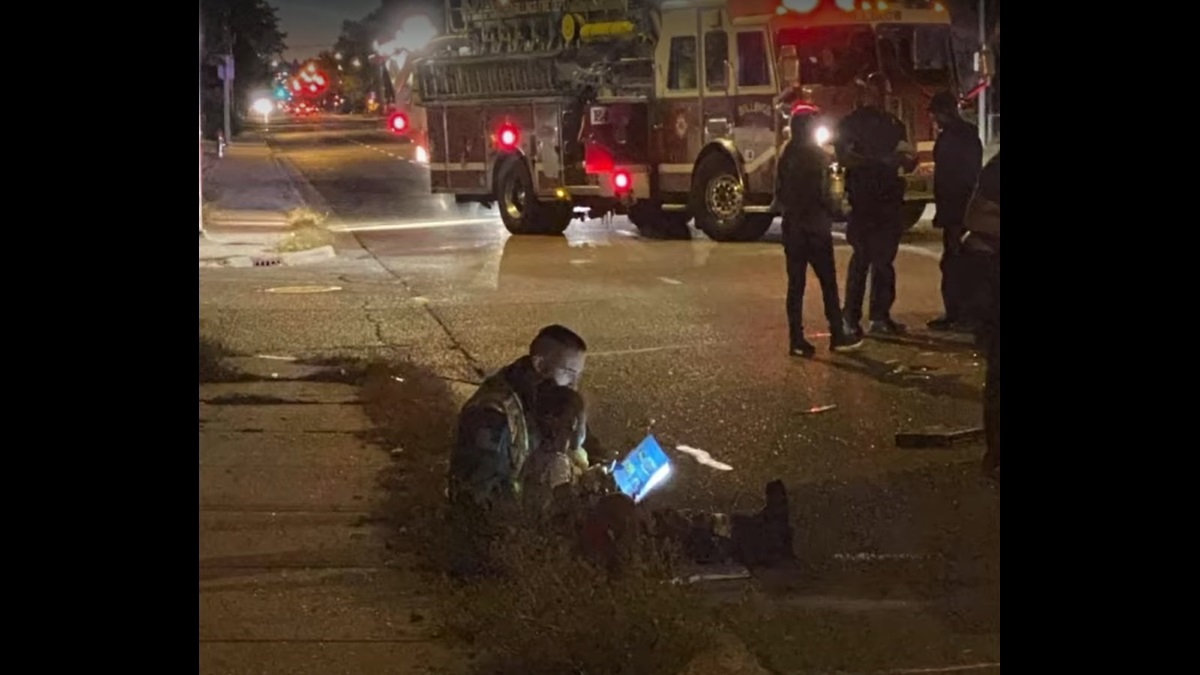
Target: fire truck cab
{"x": 666, "y": 111}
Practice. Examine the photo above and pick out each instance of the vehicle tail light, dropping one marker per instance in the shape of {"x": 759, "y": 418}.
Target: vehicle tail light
{"x": 507, "y": 136}
{"x": 398, "y": 123}
{"x": 622, "y": 181}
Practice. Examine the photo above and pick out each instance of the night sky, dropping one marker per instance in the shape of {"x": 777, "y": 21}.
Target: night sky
{"x": 314, "y": 25}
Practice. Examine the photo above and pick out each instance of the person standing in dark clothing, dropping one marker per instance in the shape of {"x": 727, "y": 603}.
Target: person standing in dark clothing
{"x": 802, "y": 193}
{"x": 957, "y": 160}
{"x": 873, "y": 146}
{"x": 983, "y": 236}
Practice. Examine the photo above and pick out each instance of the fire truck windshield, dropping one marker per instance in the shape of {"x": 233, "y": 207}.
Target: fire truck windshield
{"x": 919, "y": 52}
{"x": 833, "y": 55}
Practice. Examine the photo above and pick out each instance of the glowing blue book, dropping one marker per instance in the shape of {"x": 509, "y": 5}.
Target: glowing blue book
{"x": 642, "y": 470}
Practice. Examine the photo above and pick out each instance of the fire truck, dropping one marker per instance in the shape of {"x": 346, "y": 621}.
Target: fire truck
{"x": 662, "y": 110}
{"x": 404, "y": 120}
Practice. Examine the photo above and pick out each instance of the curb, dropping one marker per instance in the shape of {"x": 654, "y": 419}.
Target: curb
{"x": 290, "y": 259}
{"x": 344, "y": 242}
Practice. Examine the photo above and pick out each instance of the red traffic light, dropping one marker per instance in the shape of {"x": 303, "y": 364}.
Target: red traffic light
{"x": 622, "y": 180}
{"x": 397, "y": 122}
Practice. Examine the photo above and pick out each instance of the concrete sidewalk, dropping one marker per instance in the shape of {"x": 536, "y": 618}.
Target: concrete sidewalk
{"x": 249, "y": 195}
{"x": 297, "y": 575}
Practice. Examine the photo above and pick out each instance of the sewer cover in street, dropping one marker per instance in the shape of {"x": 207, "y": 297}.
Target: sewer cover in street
{"x": 303, "y": 289}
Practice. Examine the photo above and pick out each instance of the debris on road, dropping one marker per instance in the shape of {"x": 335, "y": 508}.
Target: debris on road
{"x": 819, "y": 409}
{"x": 702, "y": 457}
{"x": 938, "y": 438}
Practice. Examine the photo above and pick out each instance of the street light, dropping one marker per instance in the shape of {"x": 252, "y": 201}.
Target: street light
{"x": 263, "y": 106}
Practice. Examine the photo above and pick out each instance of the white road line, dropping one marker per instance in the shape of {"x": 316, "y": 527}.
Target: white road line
{"x": 668, "y": 280}
{"x": 412, "y": 225}
{"x": 643, "y": 350}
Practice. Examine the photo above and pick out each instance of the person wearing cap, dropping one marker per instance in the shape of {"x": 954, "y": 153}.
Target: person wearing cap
{"x": 803, "y": 195}
{"x": 873, "y": 146}
{"x": 957, "y": 160}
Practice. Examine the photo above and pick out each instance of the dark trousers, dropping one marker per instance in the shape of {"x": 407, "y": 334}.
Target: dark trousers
{"x": 964, "y": 279}
{"x": 991, "y": 386}
{"x": 801, "y": 249}
{"x": 874, "y": 238}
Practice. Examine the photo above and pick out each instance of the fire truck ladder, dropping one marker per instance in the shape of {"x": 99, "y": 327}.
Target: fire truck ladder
{"x": 506, "y": 26}
{"x": 513, "y": 75}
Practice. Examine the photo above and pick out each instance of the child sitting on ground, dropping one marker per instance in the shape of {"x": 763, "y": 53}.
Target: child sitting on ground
{"x": 559, "y": 459}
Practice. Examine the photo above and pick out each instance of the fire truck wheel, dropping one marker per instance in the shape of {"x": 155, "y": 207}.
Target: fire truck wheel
{"x": 520, "y": 209}
{"x": 655, "y": 223}
{"x": 718, "y": 196}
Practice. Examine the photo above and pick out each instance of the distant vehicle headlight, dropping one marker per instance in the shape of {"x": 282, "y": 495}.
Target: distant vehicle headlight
{"x": 822, "y": 135}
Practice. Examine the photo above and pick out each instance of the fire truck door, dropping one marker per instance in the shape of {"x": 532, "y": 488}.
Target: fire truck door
{"x": 716, "y": 58}
{"x": 754, "y": 87}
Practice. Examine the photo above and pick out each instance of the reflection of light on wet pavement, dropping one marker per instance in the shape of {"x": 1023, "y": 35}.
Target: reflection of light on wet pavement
{"x": 379, "y": 226}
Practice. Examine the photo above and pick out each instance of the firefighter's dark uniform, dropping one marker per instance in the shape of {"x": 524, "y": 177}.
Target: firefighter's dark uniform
{"x": 983, "y": 225}
{"x": 868, "y": 141}
{"x": 802, "y": 192}
{"x": 495, "y": 434}
{"x": 958, "y": 158}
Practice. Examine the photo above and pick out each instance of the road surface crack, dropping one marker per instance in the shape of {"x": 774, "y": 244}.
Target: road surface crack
{"x": 455, "y": 344}
{"x": 376, "y": 323}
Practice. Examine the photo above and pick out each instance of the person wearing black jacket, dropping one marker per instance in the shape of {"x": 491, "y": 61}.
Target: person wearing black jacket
{"x": 802, "y": 194}
{"x": 983, "y": 238}
{"x": 872, "y": 144}
{"x": 957, "y": 160}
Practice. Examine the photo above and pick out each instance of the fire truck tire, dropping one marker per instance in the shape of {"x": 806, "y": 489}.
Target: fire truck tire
{"x": 655, "y": 223}
{"x": 717, "y": 200}
{"x": 520, "y": 209}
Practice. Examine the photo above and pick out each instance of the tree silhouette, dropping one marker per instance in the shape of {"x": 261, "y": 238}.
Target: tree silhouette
{"x": 357, "y": 40}
{"x": 248, "y": 29}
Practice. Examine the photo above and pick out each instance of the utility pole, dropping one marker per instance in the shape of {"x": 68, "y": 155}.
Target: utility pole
{"x": 200, "y": 106}
{"x": 983, "y": 70}
{"x": 226, "y": 73}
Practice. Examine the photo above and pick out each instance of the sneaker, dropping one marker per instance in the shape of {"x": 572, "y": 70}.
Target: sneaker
{"x": 887, "y": 327}
{"x": 964, "y": 327}
{"x": 942, "y": 323}
{"x": 804, "y": 348}
{"x": 843, "y": 342}
{"x": 852, "y": 329}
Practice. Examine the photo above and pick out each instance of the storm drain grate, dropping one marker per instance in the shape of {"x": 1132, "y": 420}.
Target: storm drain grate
{"x": 267, "y": 262}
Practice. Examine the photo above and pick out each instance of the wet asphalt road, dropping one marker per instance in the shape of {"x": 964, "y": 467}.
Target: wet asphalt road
{"x": 689, "y": 336}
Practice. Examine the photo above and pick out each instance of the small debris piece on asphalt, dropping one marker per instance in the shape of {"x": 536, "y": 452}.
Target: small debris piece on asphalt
{"x": 819, "y": 409}
{"x": 938, "y": 438}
